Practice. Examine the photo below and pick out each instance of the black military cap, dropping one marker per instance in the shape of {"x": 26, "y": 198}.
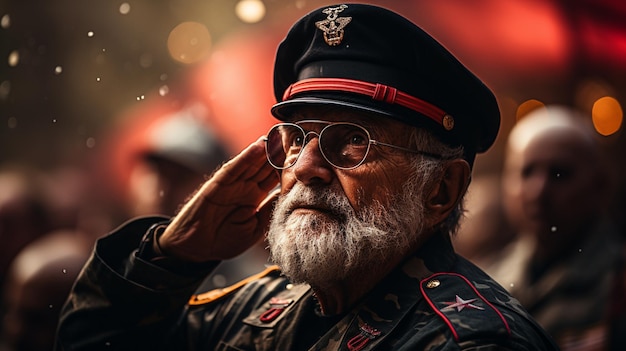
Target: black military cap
{"x": 369, "y": 58}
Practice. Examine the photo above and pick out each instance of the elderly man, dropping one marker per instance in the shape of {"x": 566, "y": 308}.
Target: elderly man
{"x": 380, "y": 126}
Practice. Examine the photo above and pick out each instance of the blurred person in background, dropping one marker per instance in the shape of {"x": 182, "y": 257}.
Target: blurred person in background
{"x": 182, "y": 150}
{"x": 24, "y": 214}
{"x": 39, "y": 280}
{"x": 40, "y": 274}
{"x": 24, "y": 217}
{"x": 566, "y": 265}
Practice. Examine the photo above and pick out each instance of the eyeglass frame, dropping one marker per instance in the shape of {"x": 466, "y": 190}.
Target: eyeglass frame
{"x": 329, "y": 124}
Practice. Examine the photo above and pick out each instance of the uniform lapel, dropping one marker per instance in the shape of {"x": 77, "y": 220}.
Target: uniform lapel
{"x": 367, "y": 325}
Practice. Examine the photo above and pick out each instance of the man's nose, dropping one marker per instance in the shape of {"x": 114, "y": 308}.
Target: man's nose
{"x": 311, "y": 166}
{"x": 536, "y": 187}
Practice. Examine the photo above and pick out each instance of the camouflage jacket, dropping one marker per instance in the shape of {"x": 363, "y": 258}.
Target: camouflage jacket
{"x": 434, "y": 301}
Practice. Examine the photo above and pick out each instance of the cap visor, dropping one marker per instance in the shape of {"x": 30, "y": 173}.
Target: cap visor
{"x": 284, "y": 110}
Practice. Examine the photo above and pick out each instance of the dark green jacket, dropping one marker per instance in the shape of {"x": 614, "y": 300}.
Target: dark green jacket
{"x": 435, "y": 301}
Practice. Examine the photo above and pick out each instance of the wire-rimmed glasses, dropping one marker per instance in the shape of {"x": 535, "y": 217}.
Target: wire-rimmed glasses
{"x": 344, "y": 145}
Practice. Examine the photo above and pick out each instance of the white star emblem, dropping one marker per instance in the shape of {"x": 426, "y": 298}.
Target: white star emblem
{"x": 460, "y": 304}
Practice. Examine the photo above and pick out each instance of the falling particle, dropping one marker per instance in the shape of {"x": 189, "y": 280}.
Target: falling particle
{"x": 50, "y": 306}
{"x": 54, "y": 120}
{"x": 5, "y": 22}
{"x": 58, "y": 69}
{"x": 140, "y": 97}
{"x": 107, "y": 343}
{"x": 164, "y": 90}
{"x": 125, "y": 8}
{"x": 91, "y": 142}
{"x": 14, "y": 58}
{"x": 512, "y": 285}
{"x": 90, "y": 34}
{"x": 558, "y": 175}
{"x": 163, "y": 77}
{"x": 98, "y": 79}
{"x": 580, "y": 250}
{"x": 161, "y": 193}
{"x": 103, "y": 50}
{"x": 553, "y": 229}
{"x": 64, "y": 271}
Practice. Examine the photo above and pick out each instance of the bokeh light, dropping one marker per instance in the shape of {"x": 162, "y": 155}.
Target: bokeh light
{"x": 527, "y": 106}
{"x": 14, "y": 58}
{"x": 250, "y": 11}
{"x": 5, "y": 21}
{"x": 607, "y": 115}
{"x": 125, "y": 8}
{"x": 189, "y": 42}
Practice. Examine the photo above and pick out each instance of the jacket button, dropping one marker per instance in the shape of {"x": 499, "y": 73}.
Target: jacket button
{"x": 433, "y": 284}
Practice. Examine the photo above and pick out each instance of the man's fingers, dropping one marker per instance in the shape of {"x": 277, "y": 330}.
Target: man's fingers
{"x": 245, "y": 165}
{"x": 268, "y": 202}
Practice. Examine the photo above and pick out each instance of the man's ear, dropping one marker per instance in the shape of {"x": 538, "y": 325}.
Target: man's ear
{"x": 448, "y": 191}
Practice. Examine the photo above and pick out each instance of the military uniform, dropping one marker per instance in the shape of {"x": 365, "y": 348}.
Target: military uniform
{"x": 435, "y": 301}
{"x": 350, "y": 56}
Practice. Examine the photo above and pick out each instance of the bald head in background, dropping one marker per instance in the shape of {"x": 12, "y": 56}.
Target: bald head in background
{"x": 555, "y": 181}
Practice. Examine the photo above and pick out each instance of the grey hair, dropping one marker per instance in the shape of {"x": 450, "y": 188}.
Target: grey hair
{"x": 428, "y": 169}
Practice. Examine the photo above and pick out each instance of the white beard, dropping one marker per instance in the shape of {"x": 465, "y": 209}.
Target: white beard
{"x": 321, "y": 249}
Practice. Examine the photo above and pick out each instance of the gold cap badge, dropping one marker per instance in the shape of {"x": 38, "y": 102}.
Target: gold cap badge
{"x": 333, "y": 25}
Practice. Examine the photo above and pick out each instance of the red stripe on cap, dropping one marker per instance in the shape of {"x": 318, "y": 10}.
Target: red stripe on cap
{"x": 376, "y": 91}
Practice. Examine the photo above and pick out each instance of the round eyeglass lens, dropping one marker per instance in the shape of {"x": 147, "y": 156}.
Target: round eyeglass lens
{"x": 283, "y": 145}
{"x": 344, "y": 145}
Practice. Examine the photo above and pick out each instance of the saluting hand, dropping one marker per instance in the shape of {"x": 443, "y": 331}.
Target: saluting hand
{"x": 228, "y": 214}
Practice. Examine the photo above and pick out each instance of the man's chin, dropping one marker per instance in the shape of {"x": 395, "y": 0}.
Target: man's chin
{"x": 319, "y": 276}
{"x": 313, "y": 216}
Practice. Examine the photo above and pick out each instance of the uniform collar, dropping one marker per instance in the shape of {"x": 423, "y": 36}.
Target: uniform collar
{"x": 391, "y": 300}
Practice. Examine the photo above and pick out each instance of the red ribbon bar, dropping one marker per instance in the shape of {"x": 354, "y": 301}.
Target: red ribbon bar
{"x": 277, "y": 306}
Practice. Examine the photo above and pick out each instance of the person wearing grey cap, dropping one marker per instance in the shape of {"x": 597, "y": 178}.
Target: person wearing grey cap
{"x": 378, "y": 130}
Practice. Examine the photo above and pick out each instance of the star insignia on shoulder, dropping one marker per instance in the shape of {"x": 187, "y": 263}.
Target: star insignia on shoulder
{"x": 461, "y": 304}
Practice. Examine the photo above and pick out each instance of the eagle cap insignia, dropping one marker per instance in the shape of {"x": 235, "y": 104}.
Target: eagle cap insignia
{"x": 333, "y": 25}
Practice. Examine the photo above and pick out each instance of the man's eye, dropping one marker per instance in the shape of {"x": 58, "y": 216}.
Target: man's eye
{"x": 297, "y": 141}
{"x": 358, "y": 139}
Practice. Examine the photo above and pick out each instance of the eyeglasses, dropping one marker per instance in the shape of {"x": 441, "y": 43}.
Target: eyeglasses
{"x": 344, "y": 145}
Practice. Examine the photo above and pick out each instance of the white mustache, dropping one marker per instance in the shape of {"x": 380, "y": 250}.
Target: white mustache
{"x": 325, "y": 199}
